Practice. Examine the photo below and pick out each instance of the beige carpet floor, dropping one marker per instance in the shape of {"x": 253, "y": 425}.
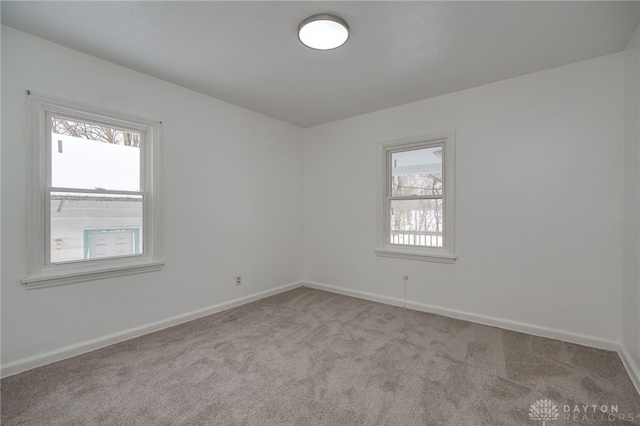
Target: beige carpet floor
{"x": 308, "y": 357}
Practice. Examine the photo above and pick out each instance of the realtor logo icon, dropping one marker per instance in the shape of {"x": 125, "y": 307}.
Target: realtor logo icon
{"x": 544, "y": 410}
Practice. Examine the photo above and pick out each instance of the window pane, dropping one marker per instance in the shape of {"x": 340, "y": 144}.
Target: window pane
{"x": 89, "y": 226}
{"x": 90, "y": 156}
{"x": 416, "y": 172}
{"x": 416, "y": 222}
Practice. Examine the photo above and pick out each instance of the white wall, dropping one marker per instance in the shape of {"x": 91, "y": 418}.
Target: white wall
{"x": 538, "y": 202}
{"x": 631, "y": 283}
{"x": 232, "y": 192}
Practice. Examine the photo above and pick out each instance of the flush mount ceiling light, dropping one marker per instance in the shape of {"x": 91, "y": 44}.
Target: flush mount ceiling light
{"x": 323, "y": 32}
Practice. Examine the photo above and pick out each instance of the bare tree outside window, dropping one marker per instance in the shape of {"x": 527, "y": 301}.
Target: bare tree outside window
{"x": 421, "y": 217}
{"x": 429, "y": 218}
{"x": 94, "y": 132}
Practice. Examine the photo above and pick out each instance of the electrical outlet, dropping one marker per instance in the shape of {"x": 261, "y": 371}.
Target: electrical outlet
{"x": 239, "y": 280}
{"x": 405, "y": 277}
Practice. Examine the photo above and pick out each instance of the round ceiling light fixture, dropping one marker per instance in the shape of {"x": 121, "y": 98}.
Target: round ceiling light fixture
{"x": 323, "y": 32}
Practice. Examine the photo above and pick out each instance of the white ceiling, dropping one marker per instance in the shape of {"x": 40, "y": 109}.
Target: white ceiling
{"x": 248, "y": 54}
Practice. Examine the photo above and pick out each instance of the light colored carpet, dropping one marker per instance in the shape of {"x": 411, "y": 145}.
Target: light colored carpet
{"x": 309, "y": 357}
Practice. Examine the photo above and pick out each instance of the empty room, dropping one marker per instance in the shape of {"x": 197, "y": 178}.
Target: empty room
{"x": 320, "y": 213}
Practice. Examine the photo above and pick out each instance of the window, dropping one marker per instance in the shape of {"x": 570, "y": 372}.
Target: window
{"x": 416, "y": 198}
{"x": 94, "y": 199}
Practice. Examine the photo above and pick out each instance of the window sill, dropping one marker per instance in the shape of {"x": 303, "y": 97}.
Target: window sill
{"x": 63, "y": 277}
{"x": 416, "y": 255}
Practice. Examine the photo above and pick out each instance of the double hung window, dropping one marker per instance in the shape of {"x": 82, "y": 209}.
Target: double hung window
{"x": 416, "y": 198}
{"x": 93, "y": 193}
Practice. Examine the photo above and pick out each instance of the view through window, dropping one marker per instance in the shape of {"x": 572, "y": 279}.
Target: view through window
{"x": 95, "y": 195}
{"x": 416, "y": 197}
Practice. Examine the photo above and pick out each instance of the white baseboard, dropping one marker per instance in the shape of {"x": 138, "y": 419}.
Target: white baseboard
{"x": 355, "y": 293}
{"x": 39, "y": 360}
{"x": 536, "y": 330}
{"x": 566, "y": 336}
{"x": 632, "y": 368}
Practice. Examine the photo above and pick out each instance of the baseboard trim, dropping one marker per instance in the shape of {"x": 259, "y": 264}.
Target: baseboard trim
{"x": 15, "y": 367}
{"x": 632, "y": 368}
{"x": 566, "y": 336}
{"x": 536, "y": 330}
{"x": 355, "y": 293}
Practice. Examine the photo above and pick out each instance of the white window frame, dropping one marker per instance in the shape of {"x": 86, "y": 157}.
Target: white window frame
{"x": 384, "y": 248}
{"x": 40, "y": 271}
